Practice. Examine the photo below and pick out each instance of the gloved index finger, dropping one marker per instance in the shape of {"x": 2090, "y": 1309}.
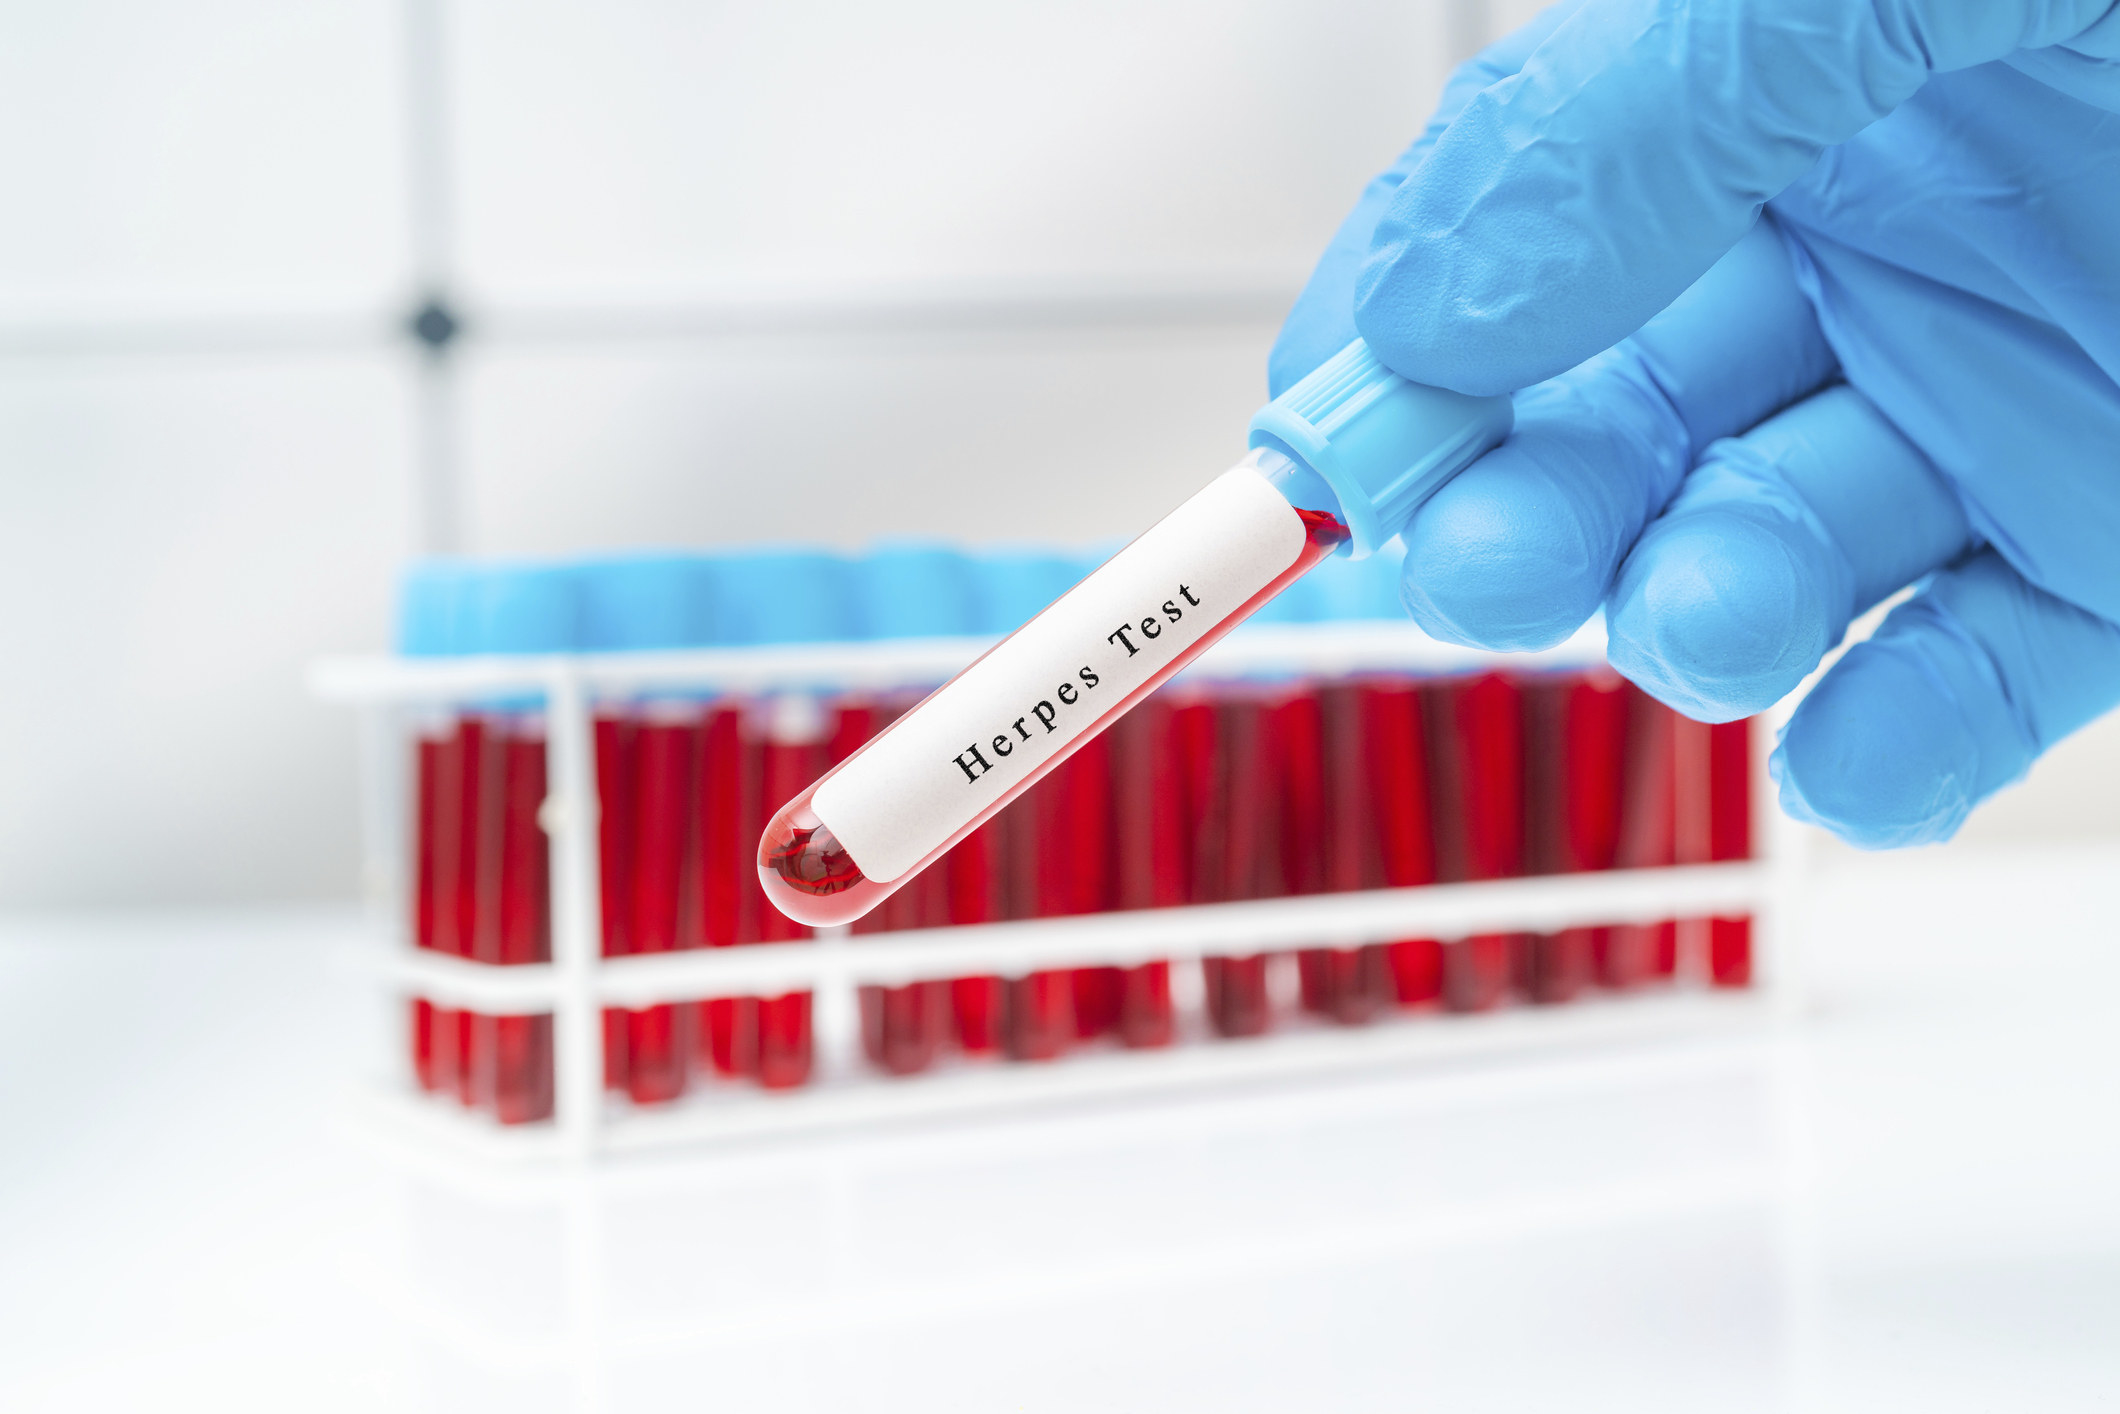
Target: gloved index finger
{"x": 1571, "y": 201}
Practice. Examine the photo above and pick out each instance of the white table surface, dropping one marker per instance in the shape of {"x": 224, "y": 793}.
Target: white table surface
{"x": 1908, "y": 1200}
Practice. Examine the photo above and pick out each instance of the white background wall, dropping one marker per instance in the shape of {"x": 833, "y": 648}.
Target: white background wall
{"x": 730, "y": 271}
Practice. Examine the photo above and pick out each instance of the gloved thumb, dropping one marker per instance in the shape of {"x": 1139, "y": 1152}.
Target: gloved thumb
{"x": 1570, "y": 202}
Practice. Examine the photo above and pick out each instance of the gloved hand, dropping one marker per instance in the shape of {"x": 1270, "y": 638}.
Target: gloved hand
{"x": 1903, "y": 372}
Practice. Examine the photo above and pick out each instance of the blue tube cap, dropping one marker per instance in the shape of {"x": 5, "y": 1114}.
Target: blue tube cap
{"x": 1383, "y": 444}
{"x": 915, "y": 589}
{"x": 785, "y": 596}
{"x": 526, "y": 609}
{"x": 431, "y": 608}
{"x": 649, "y": 601}
{"x": 1016, "y": 585}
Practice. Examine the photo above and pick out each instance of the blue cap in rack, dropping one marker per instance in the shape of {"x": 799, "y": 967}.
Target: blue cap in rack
{"x": 525, "y": 609}
{"x": 786, "y": 596}
{"x": 1383, "y": 444}
{"x": 649, "y": 601}
{"x": 431, "y": 609}
{"x": 911, "y": 589}
{"x": 1016, "y": 585}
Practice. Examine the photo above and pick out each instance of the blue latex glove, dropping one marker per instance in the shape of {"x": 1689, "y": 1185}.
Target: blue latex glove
{"x": 1903, "y": 373}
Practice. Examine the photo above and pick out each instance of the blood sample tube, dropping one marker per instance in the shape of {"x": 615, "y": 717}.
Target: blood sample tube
{"x": 1479, "y": 786}
{"x": 613, "y": 729}
{"x": 1340, "y": 460}
{"x": 784, "y": 596}
{"x": 521, "y": 610}
{"x": 1035, "y": 1019}
{"x": 1247, "y": 851}
{"x": 1394, "y": 731}
{"x": 1155, "y": 828}
{"x": 1636, "y": 953}
{"x": 1378, "y": 773}
{"x": 1730, "y": 837}
{"x": 907, "y": 590}
{"x": 429, "y": 617}
{"x": 727, "y": 803}
{"x": 646, "y": 603}
{"x": 1576, "y": 739}
{"x": 1327, "y": 838}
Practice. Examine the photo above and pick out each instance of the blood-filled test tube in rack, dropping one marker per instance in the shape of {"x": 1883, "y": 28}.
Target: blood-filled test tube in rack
{"x": 645, "y": 603}
{"x": 781, "y": 596}
{"x": 1241, "y": 855}
{"x": 907, "y": 590}
{"x": 527, "y": 609}
{"x": 1575, "y": 743}
{"x": 1032, "y": 838}
{"x": 1729, "y": 838}
{"x": 431, "y": 621}
{"x": 1477, "y": 771}
{"x": 1634, "y": 954}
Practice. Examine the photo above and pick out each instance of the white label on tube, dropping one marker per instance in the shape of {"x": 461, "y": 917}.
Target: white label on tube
{"x": 1006, "y": 715}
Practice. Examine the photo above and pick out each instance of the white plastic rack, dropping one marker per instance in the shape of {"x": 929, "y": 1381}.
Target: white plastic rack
{"x": 579, "y": 983}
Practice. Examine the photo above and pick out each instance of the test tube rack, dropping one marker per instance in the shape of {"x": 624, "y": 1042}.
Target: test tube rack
{"x": 579, "y": 983}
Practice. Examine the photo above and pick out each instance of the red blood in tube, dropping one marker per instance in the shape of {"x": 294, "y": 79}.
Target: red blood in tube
{"x": 1076, "y": 874}
{"x": 429, "y": 759}
{"x": 658, "y": 1039}
{"x": 1576, "y": 746}
{"x": 784, "y": 1050}
{"x": 1634, "y": 953}
{"x": 1482, "y": 769}
{"x": 1153, "y": 830}
{"x": 522, "y": 1045}
{"x": 1730, "y": 837}
{"x": 1692, "y": 830}
{"x": 727, "y": 795}
{"x": 1349, "y": 985}
{"x": 901, "y": 1027}
{"x": 1245, "y": 854}
{"x": 478, "y": 893}
{"x": 614, "y": 849}
{"x": 447, "y": 1027}
{"x": 523, "y": 1061}
{"x": 428, "y": 755}
{"x": 1394, "y": 735}
{"x": 975, "y": 897}
{"x": 1038, "y": 1010}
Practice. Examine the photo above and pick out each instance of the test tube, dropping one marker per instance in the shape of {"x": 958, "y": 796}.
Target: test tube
{"x": 645, "y": 603}
{"x": 786, "y": 596}
{"x": 907, "y": 590}
{"x": 1576, "y": 726}
{"x": 728, "y": 791}
{"x": 1339, "y": 461}
{"x": 1730, "y": 837}
{"x": 430, "y": 614}
{"x": 1035, "y": 1019}
{"x": 1636, "y": 953}
{"x": 1394, "y": 732}
{"x": 1155, "y": 813}
{"x": 521, "y": 609}
{"x": 1245, "y": 851}
{"x": 615, "y": 772}
{"x": 1479, "y": 780}
{"x": 1337, "y": 813}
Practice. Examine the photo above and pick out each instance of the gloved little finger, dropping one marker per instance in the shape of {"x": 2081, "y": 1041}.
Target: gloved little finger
{"x": 1961, "y": 689}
